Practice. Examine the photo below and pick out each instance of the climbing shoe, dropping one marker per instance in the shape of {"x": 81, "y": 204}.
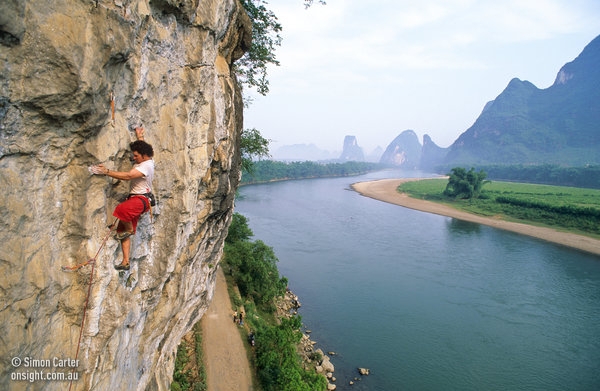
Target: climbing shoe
{"x": 123, "y": 235}
{"x": 122, "y": 267}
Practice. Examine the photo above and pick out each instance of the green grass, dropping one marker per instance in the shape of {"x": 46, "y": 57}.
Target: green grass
{"x": 569, "y": 209}
{"x": 188, "y": 377}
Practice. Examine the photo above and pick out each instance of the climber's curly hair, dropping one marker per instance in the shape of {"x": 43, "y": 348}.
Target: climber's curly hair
{"x": 142, "y": 147}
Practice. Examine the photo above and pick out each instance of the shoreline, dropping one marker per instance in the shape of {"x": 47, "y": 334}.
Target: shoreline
{"x": 385, "y": 190}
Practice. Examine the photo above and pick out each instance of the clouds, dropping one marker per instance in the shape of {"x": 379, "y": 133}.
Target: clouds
{"x": 374, "y": 68}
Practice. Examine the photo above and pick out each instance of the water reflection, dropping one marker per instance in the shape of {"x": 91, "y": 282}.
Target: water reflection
{"x": 462, "y": 227}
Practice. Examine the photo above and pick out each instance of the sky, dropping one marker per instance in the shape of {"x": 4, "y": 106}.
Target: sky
{"x": 374, "y": 68}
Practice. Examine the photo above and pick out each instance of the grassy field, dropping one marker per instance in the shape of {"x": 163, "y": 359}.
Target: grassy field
{"x": 568, "y": 208}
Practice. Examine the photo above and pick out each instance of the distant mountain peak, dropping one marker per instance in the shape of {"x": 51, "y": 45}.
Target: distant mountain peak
{"x": 586, "y": 65}
{"x": 404, "y": 151}
{"x": 528, "y": 125}
{"x": 351, "y": 151}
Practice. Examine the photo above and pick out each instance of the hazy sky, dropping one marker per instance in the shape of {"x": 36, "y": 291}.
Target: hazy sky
{"x": 374, "y": 68}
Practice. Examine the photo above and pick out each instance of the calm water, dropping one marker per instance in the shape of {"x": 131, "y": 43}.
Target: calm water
{"x": 425, "y": 301}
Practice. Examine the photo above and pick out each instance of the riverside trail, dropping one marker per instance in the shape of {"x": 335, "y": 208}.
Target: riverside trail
{"x": 225, "y": 359}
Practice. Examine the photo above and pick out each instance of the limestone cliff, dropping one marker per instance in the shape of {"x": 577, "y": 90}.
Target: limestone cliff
{"x": 168, "y": 65}
{"x": 352, "y": 151}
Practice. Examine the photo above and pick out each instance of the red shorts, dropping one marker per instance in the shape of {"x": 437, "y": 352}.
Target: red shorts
{"x": 131, "y": 209}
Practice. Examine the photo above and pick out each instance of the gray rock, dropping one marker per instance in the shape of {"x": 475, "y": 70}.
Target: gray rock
{"x": 169, "y": 67}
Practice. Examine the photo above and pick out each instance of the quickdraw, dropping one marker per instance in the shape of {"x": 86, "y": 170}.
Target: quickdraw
{"x": 112, "y": 108}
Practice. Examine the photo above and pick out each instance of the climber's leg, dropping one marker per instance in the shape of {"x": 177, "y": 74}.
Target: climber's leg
{"x": 125, "y": 248}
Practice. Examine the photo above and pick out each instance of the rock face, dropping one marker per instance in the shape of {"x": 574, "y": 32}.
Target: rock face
{"x": 168, "y": 65}
{"x": 404, "y": 151}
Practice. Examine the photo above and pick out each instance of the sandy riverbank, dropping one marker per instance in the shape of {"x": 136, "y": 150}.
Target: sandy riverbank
{"x": 385, "y": 190}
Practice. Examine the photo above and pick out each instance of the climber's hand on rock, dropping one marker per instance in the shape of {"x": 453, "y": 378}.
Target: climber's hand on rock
{"x": 139, "y": 132}
{"x": 98, "y": 169}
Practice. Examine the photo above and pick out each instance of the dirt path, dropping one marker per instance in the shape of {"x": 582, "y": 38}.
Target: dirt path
{"x": 385, "y": 190}
{"x": 227, "y": 367}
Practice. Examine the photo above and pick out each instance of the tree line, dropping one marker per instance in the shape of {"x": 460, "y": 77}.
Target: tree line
{"x": 546, "y": 174}
{"x": 268, "y": 170}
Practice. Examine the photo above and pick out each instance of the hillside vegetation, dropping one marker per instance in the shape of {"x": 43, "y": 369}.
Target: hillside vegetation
{"x": 527, "y": 125}
{"x": 568, "y": 208}
{"x": 252, "y": 267}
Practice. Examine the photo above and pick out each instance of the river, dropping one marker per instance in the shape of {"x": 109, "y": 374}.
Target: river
{"x": 427, "y": 302}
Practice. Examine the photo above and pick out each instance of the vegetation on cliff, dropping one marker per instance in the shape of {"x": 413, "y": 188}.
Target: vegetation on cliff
{"x": 252, "y": 67}
{"x": 252, "y": 146}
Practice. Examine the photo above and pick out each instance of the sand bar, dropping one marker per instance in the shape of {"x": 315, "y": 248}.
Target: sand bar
{"x": 385, "y": 190}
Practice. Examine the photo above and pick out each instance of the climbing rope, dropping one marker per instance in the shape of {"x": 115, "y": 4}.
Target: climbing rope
{"x": 111, "y": 228}
{"x": 92, "y": 261}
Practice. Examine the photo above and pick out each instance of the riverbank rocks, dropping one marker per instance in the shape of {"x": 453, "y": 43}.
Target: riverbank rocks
{"x": 364, "y": 371}
{"x": 75, "y": 75}
{"x": 326, "y": 363}
{"x": 287, "y": 306}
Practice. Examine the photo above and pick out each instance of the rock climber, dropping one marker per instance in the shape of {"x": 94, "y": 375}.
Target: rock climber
{"x": 137, "y": 203}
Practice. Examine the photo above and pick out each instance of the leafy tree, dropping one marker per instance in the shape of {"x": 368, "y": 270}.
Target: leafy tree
{"x": 253, "y": 264}
{"x": 253, "y": 145}
{"x": 257, "y": 275}
{"x": 465, "y": 184}
{"x": 238, "y": 229}
{"x": 252, "y": 67}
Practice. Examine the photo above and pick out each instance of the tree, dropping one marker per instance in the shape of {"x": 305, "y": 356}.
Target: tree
{"x": 255, "y": 271}
{"x": 238, "y": 229}
{"x": 253, "y": 264}
{"x": 251, "y": 69}
{"x": 253, "y": 145}
{"x": 465, "y": 184}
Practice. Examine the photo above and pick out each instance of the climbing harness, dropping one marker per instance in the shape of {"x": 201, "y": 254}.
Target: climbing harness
{"x": 92, "y": 261}
{"x": 148, "y": 201}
